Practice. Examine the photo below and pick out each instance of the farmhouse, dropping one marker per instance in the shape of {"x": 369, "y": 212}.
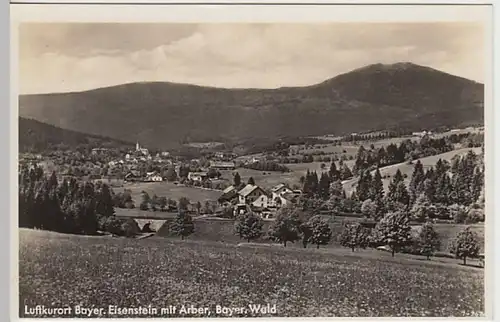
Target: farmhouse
{"x": 249, "y": 194}
{"x": 197, "y": 176}
{"x": 228, "y": 195}
{"x": 153, "y": 177}
{"x": 222, "y": 165}
{"x": 280, "y": 189}
{"x": 133, "y": 175}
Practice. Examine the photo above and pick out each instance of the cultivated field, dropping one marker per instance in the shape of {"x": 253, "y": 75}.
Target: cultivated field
{"x": 170, "y": 190}
{"x": 59, "y": 270}
{"x": 407, "y": 168}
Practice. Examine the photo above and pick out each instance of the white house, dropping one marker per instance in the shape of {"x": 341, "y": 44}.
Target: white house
{"x": 262, "y": 201}
{"x": 280, "y": 189}
{"x": 249, "y": 194}
{"x": 153, "y": 177}
{"x": 197, "y": 176}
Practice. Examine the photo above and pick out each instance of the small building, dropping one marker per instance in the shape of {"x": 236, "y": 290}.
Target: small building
{"x": 222, "y": 165}
{"x": 133, "y": 175}
{"x": 281, "y": 189}
{"x": 229, "y": 195}
{"x": 197, "y": 176}
{"x": 153, "y": 177}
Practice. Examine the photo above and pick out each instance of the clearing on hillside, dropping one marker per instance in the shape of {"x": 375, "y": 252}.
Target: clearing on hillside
{"x": 407, "y": 168}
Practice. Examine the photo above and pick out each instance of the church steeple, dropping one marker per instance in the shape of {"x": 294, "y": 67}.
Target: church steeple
{"x": 137, "y": 146}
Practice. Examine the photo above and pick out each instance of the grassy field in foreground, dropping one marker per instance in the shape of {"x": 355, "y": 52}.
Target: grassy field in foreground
{"x": 59, "y": 270}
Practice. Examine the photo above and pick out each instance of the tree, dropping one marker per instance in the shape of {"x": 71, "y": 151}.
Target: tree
{"x": 324, "y": 186}
{"x": 251, "y": 181}
{"x": 249, "y": 226}
{"x": 305, "y": 232}
{"x": 475, "y": 215}
{"x": 422, "y": 209}
{"x": 393, "y": 230}
{"x": 198, "y": 207}
{"x": 377, "y": 187}
{"x": 336, "y": 188}
{"x": 285, "y": 227}
{"x": 146, "y": 199}
{"x": 104, "y": 201}
{"x": 183, "y": 225}
{"x": 345, "y": 172}
{"x": 183, "y": 203}
{"x": 353, "y": 236}
{"x": 237, "y": 180}
{"x": 465, "y": 244}
{"x": 369, "y": 208}
{"x": 333, "y": 173}
{"x": 154, "y": 202}
{"x": 171, "y": 175}
{"x": 162, "y": 202}
{"x": 321, "y": 233}
{"x": 397, "y": 190}
{"x": 364, "y": 185}
{"x": 428, "y": 240}
{"x": 458, "y": 213}
{"x": 417, "y": 180}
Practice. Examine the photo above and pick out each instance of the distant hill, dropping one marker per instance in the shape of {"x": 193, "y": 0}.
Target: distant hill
{"x": 162, "y": 115}
{"x": 35, "y": 136}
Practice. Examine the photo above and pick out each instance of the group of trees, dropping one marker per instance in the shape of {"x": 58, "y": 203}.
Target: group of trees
{"x": 184, "y": 205}
{"x": 267, "y": 166}
{"x": 290, "y": 225}
{"x": 326, "y": 185}
{"x": 160, "y": 203}
{"x": 442, "y": 192}
{"x": 411, "y": 150}
{"x": 394, "y": 231}
{"x": 67, "y": 206}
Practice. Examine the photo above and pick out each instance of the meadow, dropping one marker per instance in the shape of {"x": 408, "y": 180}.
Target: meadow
{"x": 58, "y": 270}
{"x": 269, "y": 179}
{"x": 170, "y": 190}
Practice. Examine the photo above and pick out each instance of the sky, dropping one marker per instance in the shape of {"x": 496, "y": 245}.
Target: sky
{"x": 67, "y": 57}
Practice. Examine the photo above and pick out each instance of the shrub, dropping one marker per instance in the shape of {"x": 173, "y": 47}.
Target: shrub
{"x": 459, "y": 213}
{"x": 475, "y": 216}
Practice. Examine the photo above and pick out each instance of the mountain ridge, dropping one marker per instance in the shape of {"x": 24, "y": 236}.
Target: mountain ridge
{"x": 163, "y": 114}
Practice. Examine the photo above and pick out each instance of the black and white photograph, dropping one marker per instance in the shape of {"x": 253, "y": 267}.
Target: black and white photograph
{"x": 252, "y": 169}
